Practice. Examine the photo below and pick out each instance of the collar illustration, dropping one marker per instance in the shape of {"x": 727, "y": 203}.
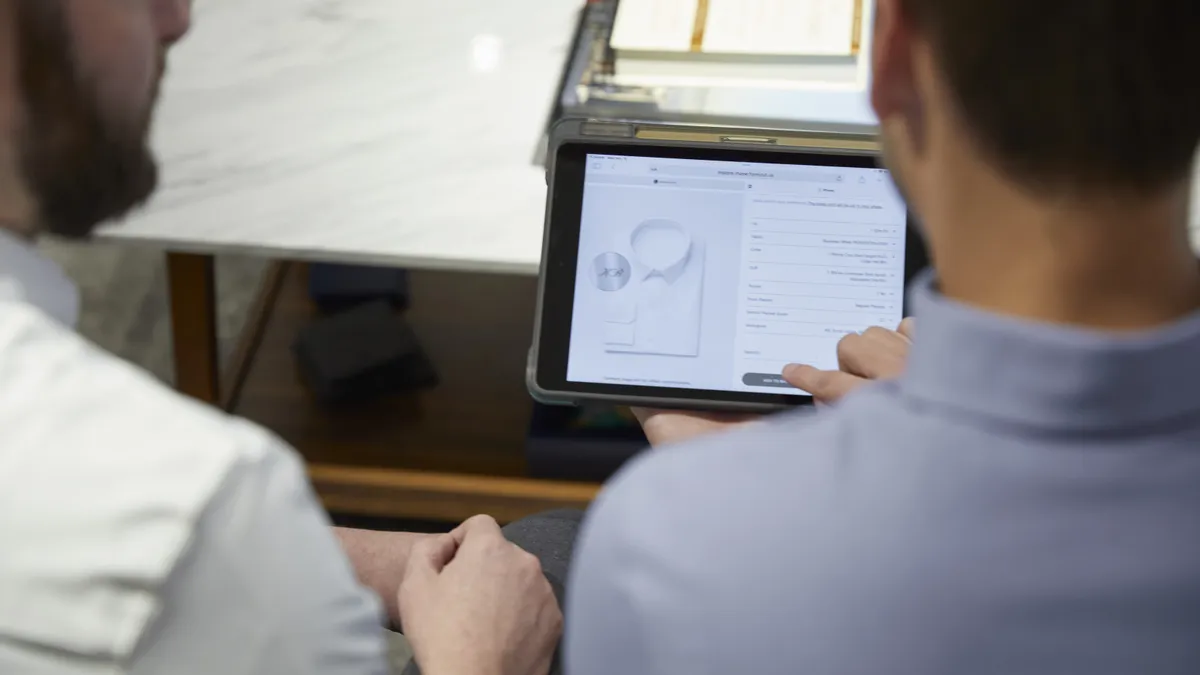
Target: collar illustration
{"x": 660, "y": 248}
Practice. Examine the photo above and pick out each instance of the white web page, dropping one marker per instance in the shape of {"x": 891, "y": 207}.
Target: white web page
{"x": 715, "y": 275}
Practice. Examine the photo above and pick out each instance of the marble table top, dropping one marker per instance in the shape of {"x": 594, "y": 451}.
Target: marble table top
{"x": 376, "y": 131}
{"x": 398, "y": 132}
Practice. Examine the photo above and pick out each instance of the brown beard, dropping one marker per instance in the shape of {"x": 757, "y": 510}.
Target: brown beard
{"x": 81, "y": 168}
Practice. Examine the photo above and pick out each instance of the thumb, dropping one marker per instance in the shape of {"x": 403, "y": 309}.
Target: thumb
{"x": 476, "y": 526}
{"x": 478, "y": 532}
{"x": 431, "y": 555}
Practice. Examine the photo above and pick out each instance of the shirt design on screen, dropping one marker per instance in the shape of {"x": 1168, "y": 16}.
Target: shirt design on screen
{"x": 652, "y": 286}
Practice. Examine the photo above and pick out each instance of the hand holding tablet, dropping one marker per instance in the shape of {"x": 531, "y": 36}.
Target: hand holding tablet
{"x": 690, "y": 272}
{"x": 877, "y": 354}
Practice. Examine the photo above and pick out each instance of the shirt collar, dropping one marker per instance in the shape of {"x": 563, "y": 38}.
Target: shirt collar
{"x": 670, "y": 271}
{"x": 1047, "y": 375}
{"x": 28, "y": 276}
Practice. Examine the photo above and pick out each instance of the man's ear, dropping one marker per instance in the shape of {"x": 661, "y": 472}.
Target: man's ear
{"x": 893, "y": 82}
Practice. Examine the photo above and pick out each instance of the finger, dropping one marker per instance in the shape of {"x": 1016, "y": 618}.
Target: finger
{"x": 876, "y": 354}
{"x": 481, "y": 524}
{"x": 431, "y": 555}
{"x": 825, "y": 386}
{"x": 908, "y": 328}
{"x": 477, "y": 531}
{"x": 459, "y": 533}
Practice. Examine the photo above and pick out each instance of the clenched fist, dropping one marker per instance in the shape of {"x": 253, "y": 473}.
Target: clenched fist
{"x": 475, "y": 603}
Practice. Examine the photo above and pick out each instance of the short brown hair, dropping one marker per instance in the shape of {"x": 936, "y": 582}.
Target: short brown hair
{"x": 1077, "y": 94}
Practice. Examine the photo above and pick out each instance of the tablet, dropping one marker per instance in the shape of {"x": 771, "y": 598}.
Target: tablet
{"x": 687, "y": 268}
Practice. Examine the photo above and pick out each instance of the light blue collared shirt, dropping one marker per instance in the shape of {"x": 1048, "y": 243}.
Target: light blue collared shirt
{"x": 1025, "y": 499}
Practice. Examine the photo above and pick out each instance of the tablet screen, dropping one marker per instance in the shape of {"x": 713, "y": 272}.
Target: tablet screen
{"x": 714, "y": 275}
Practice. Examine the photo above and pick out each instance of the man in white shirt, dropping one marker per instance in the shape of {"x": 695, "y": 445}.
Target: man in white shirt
{"x": 143, "y": 532}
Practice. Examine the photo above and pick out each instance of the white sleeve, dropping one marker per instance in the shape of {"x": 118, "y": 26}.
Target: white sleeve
{"x": 265, "y": 588}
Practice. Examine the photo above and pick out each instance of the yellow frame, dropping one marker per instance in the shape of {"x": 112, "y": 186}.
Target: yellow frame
{"x": 702, "y": 22}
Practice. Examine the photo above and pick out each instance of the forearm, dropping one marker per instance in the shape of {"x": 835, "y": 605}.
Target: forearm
{"x": 379, "y": 560}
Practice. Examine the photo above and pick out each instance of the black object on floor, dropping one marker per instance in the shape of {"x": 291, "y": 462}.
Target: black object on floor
{"x": 363, "y": 353}
{"x": 338, "y": 287}
{"x": 580, "y": 444}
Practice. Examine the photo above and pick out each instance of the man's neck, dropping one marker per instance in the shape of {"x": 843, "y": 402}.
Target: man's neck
{"x": 1110, "y": 262}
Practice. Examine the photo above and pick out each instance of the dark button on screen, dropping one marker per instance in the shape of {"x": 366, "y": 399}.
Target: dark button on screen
{"x": 765, "y": 380}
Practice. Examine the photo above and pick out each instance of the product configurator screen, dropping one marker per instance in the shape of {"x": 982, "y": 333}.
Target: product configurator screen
{"x": 715, "y": 275}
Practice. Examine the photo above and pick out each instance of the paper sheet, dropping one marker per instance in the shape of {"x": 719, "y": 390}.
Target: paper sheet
{"x": 655, "y": 25}
{"x": 803, "y": 27}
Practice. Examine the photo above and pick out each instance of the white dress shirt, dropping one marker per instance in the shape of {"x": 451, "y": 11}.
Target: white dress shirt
{"x": 658, "y": 310}
{"x": 141, "y": 532}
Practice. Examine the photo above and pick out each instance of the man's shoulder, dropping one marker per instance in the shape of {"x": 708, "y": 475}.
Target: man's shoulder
{"x": 110, "y": 471}
{"x": 61, "y": 393}
{"x": 779, "y": 472}
{"x": 772, "y": 520}
{"x": 78, "y": 420}
{"x": 778, "y": 450}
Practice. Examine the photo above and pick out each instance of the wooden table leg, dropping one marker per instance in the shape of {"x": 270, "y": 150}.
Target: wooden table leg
{"x": 191, "y": 278}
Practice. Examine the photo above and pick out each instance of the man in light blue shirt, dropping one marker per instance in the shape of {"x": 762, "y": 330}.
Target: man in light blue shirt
{"x": 1020, "y": 494}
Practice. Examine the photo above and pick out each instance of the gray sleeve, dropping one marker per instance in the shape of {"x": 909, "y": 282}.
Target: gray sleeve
{"x": 264, "y": 588}
{"x": 603, "y": 631}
